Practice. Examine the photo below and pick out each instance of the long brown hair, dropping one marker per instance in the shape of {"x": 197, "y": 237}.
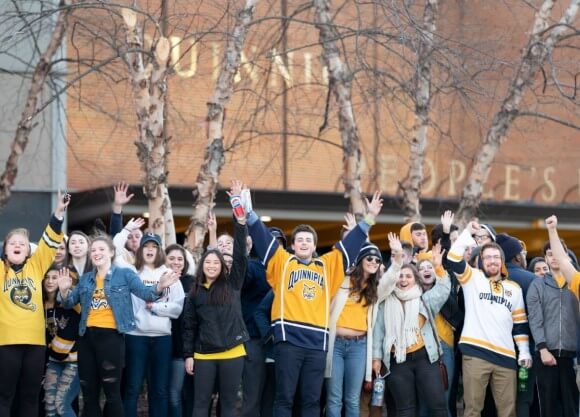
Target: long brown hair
{"x": 140, "y": 261}
{"x": 219, "y": 292}
{"x": 368, "y": 292}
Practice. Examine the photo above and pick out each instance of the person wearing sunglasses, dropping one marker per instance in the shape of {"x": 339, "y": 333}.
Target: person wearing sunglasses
{"x": 353, "y": 312}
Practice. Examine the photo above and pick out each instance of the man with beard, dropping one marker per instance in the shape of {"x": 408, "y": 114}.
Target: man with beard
{"x": 494, "y": 317}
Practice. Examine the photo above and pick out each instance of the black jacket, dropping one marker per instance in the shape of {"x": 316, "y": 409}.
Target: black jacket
{"x": 214, "y": 328}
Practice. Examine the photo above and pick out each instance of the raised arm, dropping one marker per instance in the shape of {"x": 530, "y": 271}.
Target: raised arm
{"x": 43, "y": 257}
{"x": 436, "y": 297}
{"x": 389, "y": 279}
{"x": 455, "y": 255}
{"x": 69, "y": 296}
{"x": 558, "y": 250}
{"x": 351, "y": 243}
{"x": 121, "y": 238}
{"x": 121, "y": 198}
{"x": 212, "y": 230}
{"x": 145, "y": 292}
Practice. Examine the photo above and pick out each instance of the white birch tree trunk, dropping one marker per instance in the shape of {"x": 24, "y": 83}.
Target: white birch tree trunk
{"x": 411, "y": 185}
{"x": 340, "y": 83}
{"x": 25, "y": 124}
{"x": 539, "y": 47}
{"x": 205, "y": 187}
{"x": 149, "y": 84}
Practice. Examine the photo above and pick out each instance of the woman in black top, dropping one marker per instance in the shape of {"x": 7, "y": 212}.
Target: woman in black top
{"x": 214, "y": 329}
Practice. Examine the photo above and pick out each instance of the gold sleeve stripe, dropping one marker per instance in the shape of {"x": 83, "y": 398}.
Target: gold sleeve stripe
{"x": 518, "y": 311}
{"x": 49, "y": 242}
{"x": 488, "y": 345}
{"x": 466, "y": 275}
{"x": 61, "y": 345}
{"x": 521, "y": 338}
{"x": 454, "y": 257}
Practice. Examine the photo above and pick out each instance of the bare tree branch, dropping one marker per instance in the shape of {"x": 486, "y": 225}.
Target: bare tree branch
{"x": 535, "y": 54}
{"x": 205, "y": 187}
{"x": 340, "y": 82}
{"x": 25, "y": 125}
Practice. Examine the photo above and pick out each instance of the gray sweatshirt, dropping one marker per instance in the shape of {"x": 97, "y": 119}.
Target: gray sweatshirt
{"x": 553, "y": 316}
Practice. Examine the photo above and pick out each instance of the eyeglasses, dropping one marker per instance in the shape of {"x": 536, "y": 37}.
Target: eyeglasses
{"x": 492, "y": 258}
{"x": 373, "y": 259}
{"x": 481, "y": 237}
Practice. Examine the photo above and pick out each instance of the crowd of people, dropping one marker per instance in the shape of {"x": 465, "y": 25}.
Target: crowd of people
{"x": 270, "y": 327}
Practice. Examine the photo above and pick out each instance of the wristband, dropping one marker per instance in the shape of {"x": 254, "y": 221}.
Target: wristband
{"x": 370, "y": 220}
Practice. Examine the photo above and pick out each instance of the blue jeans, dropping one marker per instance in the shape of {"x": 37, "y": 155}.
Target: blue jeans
{"x": 449, "y": 361}
{"x": 61, "y": 387}
{"x": 345, "y": 382}
{"x": 176, "y": 387}
{"x": 147, "y": 357}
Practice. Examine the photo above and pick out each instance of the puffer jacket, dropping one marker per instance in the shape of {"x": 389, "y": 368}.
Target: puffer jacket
{"x": 553, "y": 316}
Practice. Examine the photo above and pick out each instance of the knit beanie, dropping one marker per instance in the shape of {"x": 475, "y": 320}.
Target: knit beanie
{"x": 510, "y": 245}
{"x": 368, "y": 249}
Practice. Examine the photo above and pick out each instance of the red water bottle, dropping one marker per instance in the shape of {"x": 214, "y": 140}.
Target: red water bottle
{"x": 237, "y": 207}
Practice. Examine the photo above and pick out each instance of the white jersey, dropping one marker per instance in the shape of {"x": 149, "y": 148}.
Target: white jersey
{"x": 495, "y": 314}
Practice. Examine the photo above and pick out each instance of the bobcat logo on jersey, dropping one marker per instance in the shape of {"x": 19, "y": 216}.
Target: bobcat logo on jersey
{"x": 99, "y": 300}
{"x": 21, "y": 295}
{"x": 308, "y": 292}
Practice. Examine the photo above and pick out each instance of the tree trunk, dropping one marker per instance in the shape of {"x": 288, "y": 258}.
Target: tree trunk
{"x": 411, "y": 185}
{"x": 25, "y": 125}
{"x": 540, "y": 46}
{"x": 205, "y": 187}
{"x": 149, "y": 84}
{"x": 340, "y": 83}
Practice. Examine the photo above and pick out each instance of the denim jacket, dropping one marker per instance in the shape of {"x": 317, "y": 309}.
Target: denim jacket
{"x": 119, "y": 284}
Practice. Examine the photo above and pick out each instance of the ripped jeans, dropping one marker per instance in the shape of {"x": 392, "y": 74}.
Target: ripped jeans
{"x": 101, "y": 362}
{"x": 61, "y": 386}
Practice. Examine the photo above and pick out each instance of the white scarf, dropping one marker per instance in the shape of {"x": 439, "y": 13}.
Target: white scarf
{"x": 402, "y": 321}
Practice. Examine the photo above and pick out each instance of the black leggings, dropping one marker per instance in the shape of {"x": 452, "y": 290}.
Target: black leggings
{"x": 229, "y": 374}
{"x": 22, "y": 368}
{"x": 417, "y": 376}
{"x": 101, "y": 362}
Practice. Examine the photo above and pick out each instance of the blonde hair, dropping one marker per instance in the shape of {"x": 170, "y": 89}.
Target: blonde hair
{"x": 18, "y": 231}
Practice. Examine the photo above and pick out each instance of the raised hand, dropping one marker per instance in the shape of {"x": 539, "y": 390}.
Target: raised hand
{"x": 235, "y": 188}
{"x": 211, "y": 222}
{"x": 134, "y": 224}
{"x": 551, "y": 222}
{"x": 395, "y": 243}
{"x": 375, "y": 205}
{"x": 473, "y": 226}
{"x": 64, "y": 281}
{"x": 437, "y": 254}
{"x": 121, "y": 196}
{"x": 350, "y": 222}
{"x": 167, "y": 279}
{"x": 447, "y": 220}
{"x": 63, "y": 200}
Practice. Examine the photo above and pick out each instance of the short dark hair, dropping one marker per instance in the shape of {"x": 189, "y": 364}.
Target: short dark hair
{"x": 548, "y": 247}
{"x": 304, "y": 228}
{"x": 492, "y": 245}
{"x": 417, "y": 226}
{"x": 437, "y": 232}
